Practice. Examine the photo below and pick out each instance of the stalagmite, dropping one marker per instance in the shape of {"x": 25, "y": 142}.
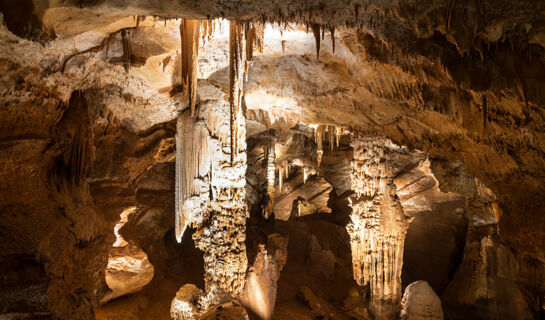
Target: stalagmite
{"x": 237, "y": 60}
{"x": 378, "y": 226}
{"x": 316, "y": 30}
{"x": 190, "y": 34}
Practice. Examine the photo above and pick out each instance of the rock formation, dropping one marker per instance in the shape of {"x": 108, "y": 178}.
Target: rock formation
{"x": 129, "y": 269}
{"x": 216, "y": 206}
{"x": 420, "y": 302}
{"x": 261, "y": 281}
{"x": 378, "y": 225}
{"x": 390, "y": 141}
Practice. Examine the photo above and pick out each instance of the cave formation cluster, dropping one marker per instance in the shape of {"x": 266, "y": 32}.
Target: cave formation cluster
{"x": 246, "y": 160}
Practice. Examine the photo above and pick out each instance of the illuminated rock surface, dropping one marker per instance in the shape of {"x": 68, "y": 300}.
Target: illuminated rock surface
{"x": 420, "y": 302}
{"x": 299, "y": 118}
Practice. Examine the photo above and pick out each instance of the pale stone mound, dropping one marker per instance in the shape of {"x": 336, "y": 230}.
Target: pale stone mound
{"x": 129, "y": 270}
{"x": 184, "y": 305}
{"x": 420, "y": 302}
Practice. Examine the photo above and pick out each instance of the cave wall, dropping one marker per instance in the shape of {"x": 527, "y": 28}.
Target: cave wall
{"x": 52, "y": 232}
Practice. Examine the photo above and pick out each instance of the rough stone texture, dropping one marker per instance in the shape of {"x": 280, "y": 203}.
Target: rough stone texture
{"x": 378, "y": 225}
{"x": 294, "y": 184}
{"x": 49, "y": 219}
{"x": 320, "y": 311}
{"x": 128, "y": 271}
{"x": 494, "y": 281}
{"x": 185, "y": 303}
{"x": 420, "y": 302}
{"x": 459, "y": 80}
{"x": 215, "y": 204}
{"x": 221, "y": 233}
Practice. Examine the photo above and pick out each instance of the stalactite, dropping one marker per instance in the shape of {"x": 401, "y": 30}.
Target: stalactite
{"x": 190, "y": 34}
{"x": 332, "y": 31}
{"x": 316, "y": 31}
{"x": 331, "y": 136}
{"x": 378, "y": 226}
{"x": 259, "y": 40}
{"x": 271, "y": 174}
{"x": 319, "y": 143}
{"x": 254, "y": 32}
{"x": 287, "y": 168}
{"x": 338, "y": 132}
{"x": 193, "y": 158}
{"x": 305, "y": 174}
{"x": 237, "y": 60}
{"x": 126, "y": 50}
{"x": 280, "y": 179}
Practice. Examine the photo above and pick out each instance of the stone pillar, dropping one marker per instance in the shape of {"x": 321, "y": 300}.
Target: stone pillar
{"x": 378, "y": 226}
{"x": 216, "y": 204}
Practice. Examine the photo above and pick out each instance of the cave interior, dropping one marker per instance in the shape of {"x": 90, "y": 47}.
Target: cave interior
{"x": 258, "y": 160}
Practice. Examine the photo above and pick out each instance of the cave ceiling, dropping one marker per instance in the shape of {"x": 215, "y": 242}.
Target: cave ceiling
{"x": 461, "y": 80}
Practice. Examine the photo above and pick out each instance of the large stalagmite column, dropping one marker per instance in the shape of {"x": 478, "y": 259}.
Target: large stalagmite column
{"x": 211, "y": 190}
{"x": 378, "y": 226}
{"x": 222, "y": 232}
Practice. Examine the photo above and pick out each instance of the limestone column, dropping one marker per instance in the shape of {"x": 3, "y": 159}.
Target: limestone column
{"x": 378, "y": 226}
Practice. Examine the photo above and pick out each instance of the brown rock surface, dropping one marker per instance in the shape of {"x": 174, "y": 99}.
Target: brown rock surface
{"x": 89, "y": 95}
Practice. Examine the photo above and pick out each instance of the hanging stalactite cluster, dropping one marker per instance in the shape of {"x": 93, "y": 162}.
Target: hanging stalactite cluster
{"x": 244, "y": 37}
{"x": 333, "y": 136}
{"x": 193, "y": 159}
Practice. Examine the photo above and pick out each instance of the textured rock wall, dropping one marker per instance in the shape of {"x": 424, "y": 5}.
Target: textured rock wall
{"x": 494, "y": 281}
{"x": 49, "y": 216}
